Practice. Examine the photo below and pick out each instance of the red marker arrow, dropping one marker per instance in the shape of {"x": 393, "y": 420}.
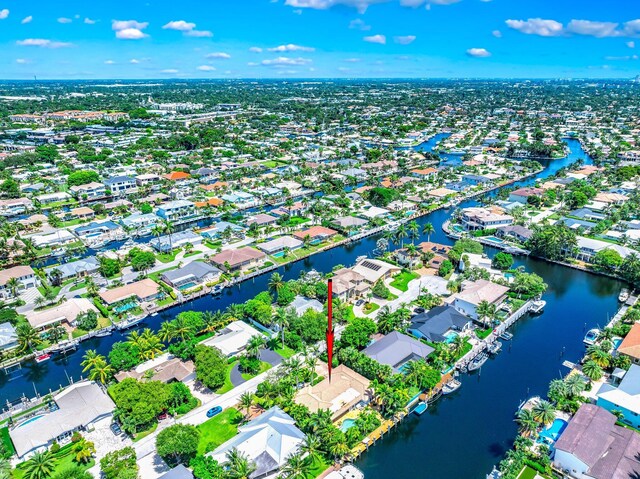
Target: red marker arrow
{"x": 330, "y": 328}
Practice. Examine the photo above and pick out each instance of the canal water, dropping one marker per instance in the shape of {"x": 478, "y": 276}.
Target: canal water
{"x": 464, "y": 434}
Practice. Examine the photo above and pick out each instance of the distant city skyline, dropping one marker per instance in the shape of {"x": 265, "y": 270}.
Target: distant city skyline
{"x": 157, "y": 39}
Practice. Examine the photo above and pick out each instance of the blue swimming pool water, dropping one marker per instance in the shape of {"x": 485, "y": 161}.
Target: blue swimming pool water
{"x": 34, "y": 418}
{"x": 553, "y": 432}
{"x": 493, "y": 239}
{"x": 450, "y": 337}
{"x": 279, "y": 254}
{"x": 125, "y": 307}
{"x": 347, "y": 424}
{"x": 187, "y": 286}
{"x": 616, "y": 342}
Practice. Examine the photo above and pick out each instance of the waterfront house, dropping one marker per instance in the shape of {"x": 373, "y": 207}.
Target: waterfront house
{"x": 121, "y": 185}
{"x": 593, "y": 447}
{"x": 81, "y": 213}
{"x": 66, "y": 312}
{"x": 630, "y": 346}
{"x": 25, "y": 277}
{"x": 374, "y": 270}
{"x": 474, "y": 292}
{"x": 176, "y": 176}
{"x": 262, "y": 219}
{"x": 240, "y": 198}
{"x": 177, "y": 210}
{"x": 218, "y": 230}
{"x": 280, "y": 244}
{"x": 15, "y": 206}
{"x": 478, "y": 218}
{"x": 439, "y": 324}
{"x": 79, "y": 408}
{"x": 141, "y": 291}
{"x": 346, "y": 389}
{"x": 301, "y": 304}
{"x": 140, "y": 223}
{"x": 317, "y": 234}
{"x": 435, "y": 253}
{"x": 192, "y": 274}
{"x": 166, "y": 368}
{"x": 233, "y": 338}
{"x": 522, "y": 195}
{"x": 8, "y": 336}
{"x": 589, "y": 247}
{"x": 240, "y": 259}
{"x": 104, "y": 229}
{"x": 516, "y": 232}
{"x": 623, "y": 398}
{"x": 147, "y": 179}
{"x": 267, "y": 441}
{"x": 56, "y": 238}
{"x": 74, "y": 269}
{"x": 350, "y": 224}
{"x": 396, "y": 349}
{"x": 167, "y": 243}
{"x": 89, "y": 191}
{"x": 348, "y": 284}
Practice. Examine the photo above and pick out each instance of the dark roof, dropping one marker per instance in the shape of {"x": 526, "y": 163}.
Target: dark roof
{"x": 396, "y": 348}
{"x": 178, "y": 472}
{"x": 518, "y": 230}
{"x": 437, "y": 321}
{"x": 609, "y": 451}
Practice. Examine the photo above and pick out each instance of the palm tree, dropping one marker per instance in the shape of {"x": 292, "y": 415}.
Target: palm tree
{"x": 592, "y": 370}
{"x": 486, "y": 311}
{"x": 458, "y": 345}
{"x": 39, "y": 302}
{"x": 428, "y": 230}
{"x": 28, "y": 337}
{"x": 401, "y": 234}
{"x": 246, "y": 401}
{"x": 414, "y": 231}
{"x": 240, "y": 467}
{"x": 296, "y": 467}
{"x": 575, "y": 384}
{"x": 181, "y": 329}
{"x": 90, "y": 359}
{"x": 338, "y": 450}
{"x": 599, "y": 356}
{"x": 276, "y": 282}
{"x": 312, "y": 447}
{"x": 168, "y": 228}
{"x": 543, "y": 412}
{"x": 40, "y": 466}
{"x": 101, "y": 371}
{"x": 254, "y": 345}
{"x": 13, "y": 284}
{"x": 527, "y": 424}
{"x": 84, "y": 451}
{"x": 5, "y": 468}
{"x": 281, "y": 319}
{"x": 167, "y": 331}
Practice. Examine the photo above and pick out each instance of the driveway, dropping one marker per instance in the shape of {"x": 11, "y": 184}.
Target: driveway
{"x": 266, "y": 355}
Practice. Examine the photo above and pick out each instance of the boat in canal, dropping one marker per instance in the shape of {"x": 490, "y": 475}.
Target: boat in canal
{"x": 591, "y": 336}
{"x": 451, "y": 386}
{"x": 42, "y": 358}
{"x": 103, "y": 333}
{"x": 64, "y": 347}
{"x": 537, "y": 306}
{"x": 495, "y": 347}
{"x": 217, "y": 290}
{"x": 506, "y": 335}
{"x": 624, "y": 295}
{"x": 494, "y": 474}
{"x": 478, "y": 361}
{"x": 129, "y": 323}
{"x": 420, "y": 408}
{"x": 528, "y": 403}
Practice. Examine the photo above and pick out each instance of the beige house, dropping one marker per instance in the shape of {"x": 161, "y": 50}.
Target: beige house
{"x": 144, "y": 290}
{"x": 346, "y": 389}
{"x": 348, "y": 284}
{"x": 66, "y": 312}
{"x": 239, "y": 259}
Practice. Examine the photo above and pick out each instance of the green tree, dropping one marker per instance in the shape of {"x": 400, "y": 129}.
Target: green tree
{"x": 357, "y": 333}
{"x": 120, "y": 464}
{"x": 502, "y": 261}
{"x": 82, "y": 177}
{"x": 40, "y": 466}
{"x": 178, "y": 444}
{"x": 211, "y": 367}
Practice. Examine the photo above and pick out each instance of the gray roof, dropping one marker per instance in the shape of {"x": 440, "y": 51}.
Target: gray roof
{"x": 609, "y": 451}
{"x": 395, "y": 349}
{"x": 88, "y": 264}
{"x": 79, "y": 405}
{"x": 197, "y": 269}
{"x": 178, "y": 472}
{"x": 517, "y": 230}
{"x": 300, "y": 304}
{"x": 437, "y": 321}
{"x": 8, "y": 335}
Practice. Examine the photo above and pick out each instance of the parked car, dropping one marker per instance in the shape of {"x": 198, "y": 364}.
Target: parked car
{"x": 360, "y": 302}
{"x": 162, "y": 416}
{"x": 115, "y": 428}
{"x": 214, "y": 411}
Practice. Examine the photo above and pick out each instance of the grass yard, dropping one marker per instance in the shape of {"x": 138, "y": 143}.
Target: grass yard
{"x": 370, "y": 308}
{"x": 528, "y": 473}
{"x": 483, "y": 333}
{"x": 402, "y": 279}
{"x": 167, "y": 257}
{"x": 65, "y": 459}
{"x": 218, "y": 430}
{"x": 142, "y": 434}
{"x": 285, "y": 352}
{"x": 465, "y": 350}
{"x": 228, "y": 385}
{"x": 264, "y": 366}
{"x": 6, "y": 440}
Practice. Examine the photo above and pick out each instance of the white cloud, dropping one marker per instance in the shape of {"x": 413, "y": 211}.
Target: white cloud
{"x": 594, "y": 29}
{"x": 42, "y": 42}
{"x": 4, "y": 13}
{"x": 631, "y": 28}
{"x": 218, "y": 56}
{"x": 285, "y": 61}
{"x": 478, "y": 52}
{"x": 361, "y": 5}
{"x": 537, "y": 26}
{"x": 22, "y": 61}
{"x": 135, "y": 61}
{"x": 631, "y": 44}
{"x": 255, "y": 50}
{"x": 359, "y": 24}
{"x": 253, "y": 64}
{"x": 351, "y": 60}
{"x": 179, "y": 25}
{"x": 497, "y": 33}
{"x": 206, "y": 68}
{"x": 198, "y": 34}
{"x": 129, "y": 29}
{"x": 381, "y": 39}
{"x": 405, "y": 39}
{"x": 171, "y": 71}
{"x": 109, "y": 62}
{"x": 291, "y": 48}
{"x": 89, "y": 21}
{"x": 26, "y": 20}
{"x": 64, "y": 20}
{"x": 623, "y": 58}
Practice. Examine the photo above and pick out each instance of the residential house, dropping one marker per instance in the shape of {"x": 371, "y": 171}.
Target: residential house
{"x": 82, "y": 213}
{"x": 267, "y": 441}
{"x": 89, "y": 191}
{"x": 121, "y": 185}
{"x": 300, "y": 305}
{"x": 623, "y": 399}
{"x": 435, "y": 253}
{"x": 345, "y": 390}
{"x": 147, "y": 179}
{"x": 177, "y": 176}
{"x": 178, "y": 472}
{"x": 165, "y": 368}
{"x": 630, "y": 345}
{"x": 350, "y": 224}
{"x": 478, "y": 218}
{"x": 176, "y": 210}
{"x": 474, "y": 292}
{"x": 374, "y": 270}
{"x": 15, "y": 206}
{"x": 280, "y": 244}
{"x": 233, "y": 338}
{"x": 104, "y": 229}
{"x": 140, "y": 223}
{"x": 593, "y": 447}
{"x": 25, "y": 276}
{"x": 348, "y": 284}
{"x": 8, "y": 336}
{"x": 397, "y": 349}
{"x": 192, "y": 274}
{"x": 588, "y": 248}
{"x": 66, "y": 312}
{"x": 141, "y": 291}
{"x": 522, "y": 195}
{"x": 50, "y": 198}
{"x": 74, "y": 269}
{"x": 316, "y": 233}
{"x": 167, "y": 243}
{"x": 240, "y": 259}
{"x": 439, "y": 324}
{"x": 261, "y": 219}
{"x": 217, "y": 230}
{"x": 516, "y": 232}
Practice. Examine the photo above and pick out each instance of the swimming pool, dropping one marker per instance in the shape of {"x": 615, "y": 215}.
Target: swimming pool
{"x": 553, "y": 431}
{"x": 125, "y": 307}
{"x": 616, "y": 342}
{"x": 187, "y": 286}
{"x": 450, "y": 337}
{"x": 347, "y": 424}
{"x": 34, "y": 418}
{"x": 493, "y": 239}
{"x": 279, "y": 254}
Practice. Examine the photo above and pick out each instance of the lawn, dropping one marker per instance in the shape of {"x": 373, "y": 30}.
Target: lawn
{"x": 6, "y": 440}
{"x": 145, "y": 433}
{"x": 167, "y": 257}
{"x": 218, "y": 430}
{"x": 264, "y": 366}
{"x": 285, "y": 352}
{"x": 228, "y": 385}
{"x": 465, "y": 350}
{"x": 65, "y": 459}
{"x": 483, "y": 333}
{"x": 370, "y": 308}
{"x": 527, "y": 473}
{"x": 402, "y": 279}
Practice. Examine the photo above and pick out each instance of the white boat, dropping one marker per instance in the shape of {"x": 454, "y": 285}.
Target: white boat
{"x": 495, "y": 347}
{"x": 507, "y": 336}
{"x": 591, "y": 336}
{"x": 129, "y": 323}
{"x": 42, "y": 358}
{"x": 217, "y": 289}
{"x": 103, "y": 333}
{"x": 478, "y": 361}
{"x": 494, "y": 474}
{"x": 537, "y": 306}
{"x": 528, "y": 403}
{"x": 624, "y": 295}
{"x": 451, "y": 386}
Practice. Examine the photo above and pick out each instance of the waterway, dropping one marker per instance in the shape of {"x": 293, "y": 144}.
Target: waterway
{"x": 464, "y": 434}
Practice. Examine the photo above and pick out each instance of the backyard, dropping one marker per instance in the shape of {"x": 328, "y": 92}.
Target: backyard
{"x": 401, "y": 280}
{"x": 218, "y": 430}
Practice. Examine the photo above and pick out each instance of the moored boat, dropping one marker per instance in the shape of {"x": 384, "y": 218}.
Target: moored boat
{"x": 478, "y": 361}
{"x": 420, "y": 408}
{"x": 42, "y": 358}
{"x": 495, "y": 347}
{"x": 591, "y": 336}
{"x": 537, "y": 306}
{"x": 624, "y": 295}
{"x": 507, "y": 336}
{"x": 129, "y": 323}
{"x": 451, "y": 386}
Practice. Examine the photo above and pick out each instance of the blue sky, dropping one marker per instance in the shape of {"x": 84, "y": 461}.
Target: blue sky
{"x": 319, "y": 38}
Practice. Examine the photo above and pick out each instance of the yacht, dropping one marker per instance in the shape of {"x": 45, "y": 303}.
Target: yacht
{"x": 42, "y": 358}
{"x": 129, "y": 323}
{"x": 495, "y": 347}
{"x": 506, "y": 335}
{"x": 537, "y": 306}
{"x": 478, "y": 361}
{"x": 624, "y": 295}
{"x": 451, "y": 386}
{"x": 591, "y": 336}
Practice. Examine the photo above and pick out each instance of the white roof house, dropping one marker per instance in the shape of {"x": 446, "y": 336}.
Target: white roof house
{"x": 80, "y": 405}
{"x": 268, "y": 441}
{"x": 233, "y": 338}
